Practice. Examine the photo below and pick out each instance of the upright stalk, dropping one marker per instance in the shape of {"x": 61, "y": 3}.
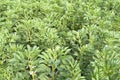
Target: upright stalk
{"x": 53, "y": 76}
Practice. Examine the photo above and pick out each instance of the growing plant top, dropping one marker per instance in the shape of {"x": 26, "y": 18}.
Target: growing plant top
{"x": 59, "y": 39}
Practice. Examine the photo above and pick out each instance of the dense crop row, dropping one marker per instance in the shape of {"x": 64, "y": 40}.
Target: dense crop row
{"x": 59, "y": 39}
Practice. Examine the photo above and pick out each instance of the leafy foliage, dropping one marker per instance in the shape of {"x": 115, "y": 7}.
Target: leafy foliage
{"x": 59, "y": 40}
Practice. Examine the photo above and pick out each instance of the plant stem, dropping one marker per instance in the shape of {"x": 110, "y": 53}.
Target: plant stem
{"x": 53, "y": 76}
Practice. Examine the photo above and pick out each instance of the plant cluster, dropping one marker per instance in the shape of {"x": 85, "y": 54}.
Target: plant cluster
{"x": 59, "y": 39}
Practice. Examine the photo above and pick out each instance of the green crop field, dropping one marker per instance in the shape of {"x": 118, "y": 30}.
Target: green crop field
{"x": 59, "y": 39}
